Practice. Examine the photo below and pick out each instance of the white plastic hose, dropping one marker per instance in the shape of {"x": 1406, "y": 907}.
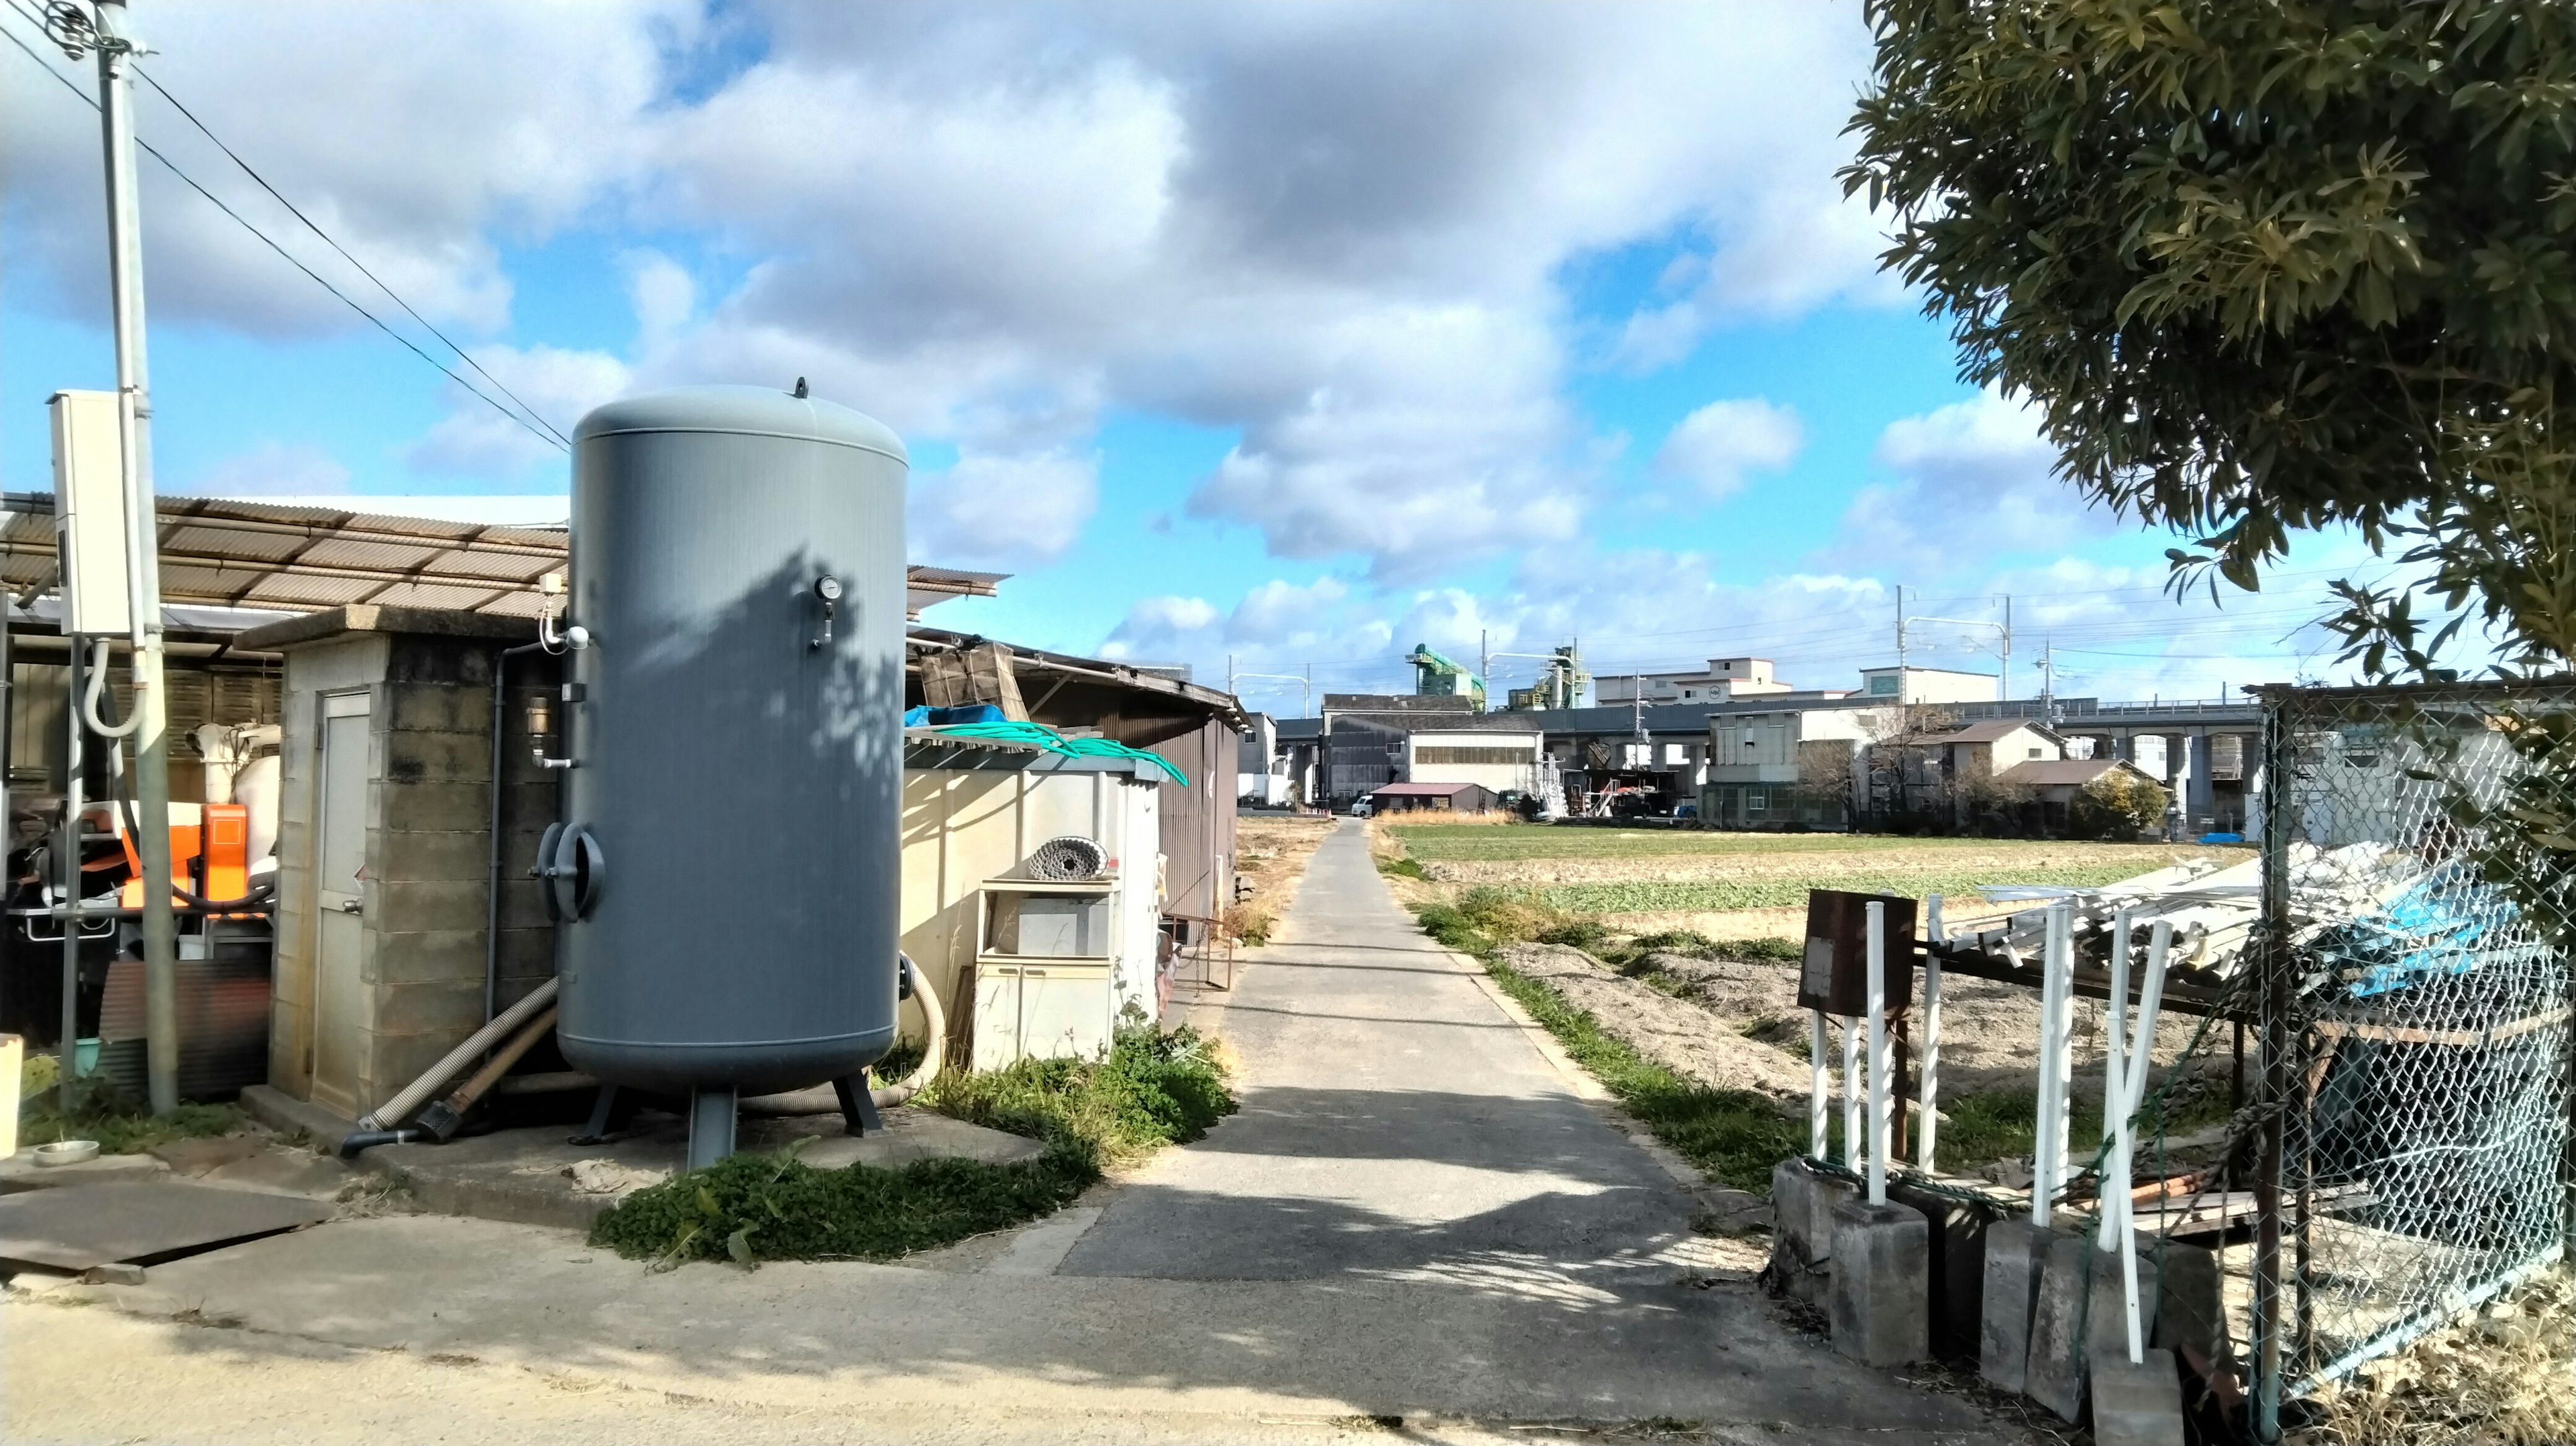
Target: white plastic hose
{"x": 821, "y": 1099}
{"x": 89, "y": 700}
{"x": 401, "y": 1107}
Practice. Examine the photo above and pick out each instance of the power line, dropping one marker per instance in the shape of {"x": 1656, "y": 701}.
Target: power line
{"x": 311, "y": 225}
{"x": 244, "y": 223}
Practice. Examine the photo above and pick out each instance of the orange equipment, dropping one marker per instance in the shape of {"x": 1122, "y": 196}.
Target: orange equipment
{"x": 224, "y": 838}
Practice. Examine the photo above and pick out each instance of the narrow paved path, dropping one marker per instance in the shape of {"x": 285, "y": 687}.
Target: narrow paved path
{"x": 1396, "y": 1122}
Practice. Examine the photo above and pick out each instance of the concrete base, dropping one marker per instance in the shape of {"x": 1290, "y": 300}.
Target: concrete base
{"x": 529, "y": 1176}
{"x": 2016, "y": 1252}
{"x": 1958, "y": 1267}
{"x": 2059, "y": 1327}
{"x": 2136, "y": 1404}
{"x": 2106, "y": 1319}
{"x": 1882, "y": 1288}
{"x": 290, "y": 1116}
{"x": 1802, "y": 1227}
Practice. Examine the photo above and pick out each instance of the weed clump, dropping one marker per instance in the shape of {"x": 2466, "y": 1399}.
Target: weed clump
{"x": 120, "y": 1125}
{"x": 1152, "y": 1089}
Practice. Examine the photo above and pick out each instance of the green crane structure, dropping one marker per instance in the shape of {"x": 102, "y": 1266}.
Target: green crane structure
{"x": 1437, "y": 677}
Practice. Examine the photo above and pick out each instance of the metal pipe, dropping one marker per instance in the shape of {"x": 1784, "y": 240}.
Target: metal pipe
{"x": 1938, "y": 935}
{"x": 68, "y": 1049}
{"x": 492, "y": 871}
{"x": 1876, "y": 913}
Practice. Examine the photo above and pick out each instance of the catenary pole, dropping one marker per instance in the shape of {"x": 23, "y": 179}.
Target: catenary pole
{"x": 151, "y": 735}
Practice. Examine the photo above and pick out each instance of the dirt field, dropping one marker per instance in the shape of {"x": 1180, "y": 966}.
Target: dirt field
{"x": 1270, "y": 854}
{"x": 1730, "y": 1019}
{"x": 1750, "y": 885}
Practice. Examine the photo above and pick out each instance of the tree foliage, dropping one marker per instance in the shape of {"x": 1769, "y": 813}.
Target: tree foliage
{"x": 2267, "y": 266}
{"x": 2120, "y": 804}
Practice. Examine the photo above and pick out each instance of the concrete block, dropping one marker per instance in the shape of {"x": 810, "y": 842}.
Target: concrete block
{"x": 403, "y": 906}
{"x": 2190, "y": 1300}
{"x": 421, "y": 757}
{"x": 2054, "y": 1376}
{"x": 445, "y": 857}
{"x": 1882, "y": 1285}
{"x": 2136, "y": 1404}
{"x": 1958, "y": 1267}
{"x": 426, "y": 956}
{"x": 439, "y": 708}
{"x": 453, "y": 1006}
{"x": 2016, "y": 1253}
{"x": 1802, "y": 1226}
{"x": 2106, "y": 1319}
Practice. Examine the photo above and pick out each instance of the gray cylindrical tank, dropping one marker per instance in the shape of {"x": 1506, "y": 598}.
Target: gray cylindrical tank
{"x": 739, "y": 777}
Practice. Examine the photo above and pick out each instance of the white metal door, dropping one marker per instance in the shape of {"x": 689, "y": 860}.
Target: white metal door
{"x": 339, "y": 859}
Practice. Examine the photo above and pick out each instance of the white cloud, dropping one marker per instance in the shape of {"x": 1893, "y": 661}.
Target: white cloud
{"x": 274, "y": 469}
{"x": 1162, "y": 629}
{"x": 1281, "y": 613}
{"x": 479, "y": 438}
{"x": 461, "y": 131}
{"x": 1002, "y": 510}
{"x": 1714, "y": 447}
{"x": 1969, "y": 482}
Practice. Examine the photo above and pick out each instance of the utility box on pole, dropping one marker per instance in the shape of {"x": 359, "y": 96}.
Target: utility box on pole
{"x": 89, "y": 509}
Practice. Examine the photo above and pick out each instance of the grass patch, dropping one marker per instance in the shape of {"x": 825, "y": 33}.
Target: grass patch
{"x": 1465, "y": 843}
{"x": 1716, "y": 896}
{"x": 1153, "y": 1089}
{"x": 1401, "y": 869}
{"x": 121, "y": 1126}
{"x": 1733, "y": 1136}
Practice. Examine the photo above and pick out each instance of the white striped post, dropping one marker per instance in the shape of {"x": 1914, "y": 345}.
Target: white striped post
{"x": 1937, "y": 936}
{"x": 1878, "y": 1060}
{"x": 1819, "y": 1088}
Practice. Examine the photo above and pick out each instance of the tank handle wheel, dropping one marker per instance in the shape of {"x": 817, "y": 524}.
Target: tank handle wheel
{"x": 574, "y": 869}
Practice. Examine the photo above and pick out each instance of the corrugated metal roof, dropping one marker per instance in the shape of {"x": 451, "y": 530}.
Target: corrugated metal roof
{"x": 298, "y": 557}
{"x": 1427, "y": 790}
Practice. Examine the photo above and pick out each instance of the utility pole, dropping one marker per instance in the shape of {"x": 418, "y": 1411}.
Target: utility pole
{"x": 2048, "y": 689}
{"x": 151, "y": 735}
{"x": 2004, "y": 684}
{"x": 1484, "y": 666}
{"x": 1229, "y": 675}
{"x": 1900, "y": 629}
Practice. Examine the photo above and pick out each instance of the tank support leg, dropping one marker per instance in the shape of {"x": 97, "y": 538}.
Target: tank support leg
{"x": 858, "y": 1107}
{"x": 711, "y": 1116}
{"x": 601, "y": 1110}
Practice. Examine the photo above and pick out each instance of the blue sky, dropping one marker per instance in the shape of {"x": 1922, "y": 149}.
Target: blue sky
{"x": 1286, "y": 334}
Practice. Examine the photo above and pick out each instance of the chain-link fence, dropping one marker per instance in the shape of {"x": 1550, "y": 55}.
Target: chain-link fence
{"x": 2413, "y": 1012}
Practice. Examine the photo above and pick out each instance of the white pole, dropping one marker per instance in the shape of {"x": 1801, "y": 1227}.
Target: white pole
{"x": 2115, "y": 1089}
{"x": 2062, "y": 1122}
{"x": 2043, "y": 1168}
{"x": 1878, "y": 1061}
{"x": 1852, "y": 1134}
{"x": 2142, "y": 1055}
{"x": 1934, "y": 931}
{"x": 1820, "y": 1091}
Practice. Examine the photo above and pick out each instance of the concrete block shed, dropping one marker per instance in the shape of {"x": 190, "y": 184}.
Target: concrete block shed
{"x": 383, "y": 843}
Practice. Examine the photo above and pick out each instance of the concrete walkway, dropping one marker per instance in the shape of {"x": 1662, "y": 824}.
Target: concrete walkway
{"x": 1397, "y": 1123}
{"x": 1417, "y": 1213}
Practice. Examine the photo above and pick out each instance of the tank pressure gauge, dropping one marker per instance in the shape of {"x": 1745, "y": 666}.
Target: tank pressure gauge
{"x": 828, "y": 589}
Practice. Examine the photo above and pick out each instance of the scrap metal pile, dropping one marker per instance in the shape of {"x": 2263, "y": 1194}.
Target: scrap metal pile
{"x": 2370, "y": 918}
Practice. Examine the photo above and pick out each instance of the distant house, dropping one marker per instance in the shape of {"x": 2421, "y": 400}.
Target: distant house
{"x": 1435, "y": 798}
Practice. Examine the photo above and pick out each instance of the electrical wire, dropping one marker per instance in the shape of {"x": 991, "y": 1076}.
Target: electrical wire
{"x": 310, "y": 225}
{"x": 271, "y": 243}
